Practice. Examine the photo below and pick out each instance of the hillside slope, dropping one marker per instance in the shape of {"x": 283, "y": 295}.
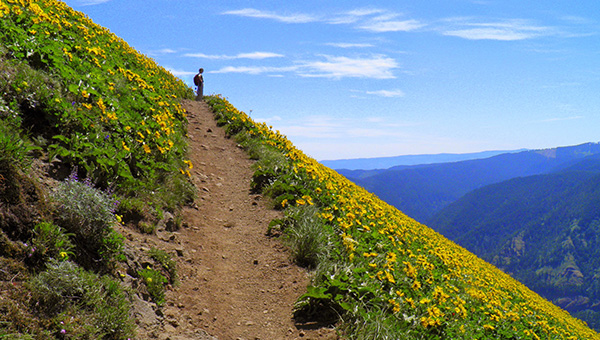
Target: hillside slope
{"x": 113, "y": 119}
{"x": 386, "y": 275}
{"x": 542, "y": 229}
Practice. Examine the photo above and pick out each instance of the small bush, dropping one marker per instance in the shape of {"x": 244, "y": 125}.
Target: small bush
{"x": 65, "y": 291}
{"x": 155, "y": 284}
{"x": 165, "y": 260}
{"x": 51, "y": 241}
{"x": 60, "y": 285}
{"x": 88, "y": 213}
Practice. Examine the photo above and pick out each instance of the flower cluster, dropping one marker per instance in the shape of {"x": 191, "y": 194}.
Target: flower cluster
{"x": 117, "y": 113}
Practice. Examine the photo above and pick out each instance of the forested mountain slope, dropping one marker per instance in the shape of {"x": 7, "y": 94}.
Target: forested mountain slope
{"x": 544, "y": 230}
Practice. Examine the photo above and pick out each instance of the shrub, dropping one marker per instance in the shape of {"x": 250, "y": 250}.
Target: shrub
{"x": 65, "y": 291}
{"x": 51, "y": 241}
{"x": 155, "y": 284}
{"x": 60, "y": 285}
{"x": 165, "y": 260}
{"x": 88, "y": 213}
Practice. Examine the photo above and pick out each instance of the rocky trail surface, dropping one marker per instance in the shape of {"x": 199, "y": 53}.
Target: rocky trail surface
{"x": 234, "y": 281}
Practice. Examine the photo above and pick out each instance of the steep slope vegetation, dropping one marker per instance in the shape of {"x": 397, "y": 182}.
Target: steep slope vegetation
{"x": 89, "y": 101}
{"x": 421, "y": 191}
{"x": 544, "y": 230}
{"x": 386, "y": 275}
{"x": 92, "y": 135}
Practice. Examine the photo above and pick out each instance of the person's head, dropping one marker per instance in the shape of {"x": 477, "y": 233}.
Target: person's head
{"x": 201, "y": 70}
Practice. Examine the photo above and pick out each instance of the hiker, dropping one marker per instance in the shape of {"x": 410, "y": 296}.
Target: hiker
{"x": 199, "y": 81}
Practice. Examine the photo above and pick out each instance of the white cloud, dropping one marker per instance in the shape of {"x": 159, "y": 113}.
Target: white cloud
{"x": 369, "y": 19}
{"x": 560, "y": 119}
{"x": 254, "y": 70}
{"x": 387, "y": 93}
{"x": 508, "y": 30}
{"x": 180, "y": 73}
{"x": 325, "y": 127}
{"x": 349, "y": 45}
{"x": 91, "y": 2}
{"x": 384, "y": 25}
{"x": 251, "y": 55}
{"x": 353, "y": 16}
{"x": 297, "y": 18}
{"x": 161, "y": 52}
{"x": 377, "y": 67}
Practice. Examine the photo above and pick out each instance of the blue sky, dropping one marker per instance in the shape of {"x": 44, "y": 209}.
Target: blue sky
{"x": 349, "y": 79}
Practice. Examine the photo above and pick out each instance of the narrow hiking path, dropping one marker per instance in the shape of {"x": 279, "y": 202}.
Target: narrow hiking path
{"x": 235, "y": 282}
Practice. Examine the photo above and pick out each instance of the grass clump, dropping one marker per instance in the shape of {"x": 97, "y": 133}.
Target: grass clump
{"x": 14, "y": 150}
{"x": 305, "y": 234}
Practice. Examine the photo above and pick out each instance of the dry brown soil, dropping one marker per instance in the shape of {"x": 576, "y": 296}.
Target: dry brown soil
{"x": 235, "y": 282}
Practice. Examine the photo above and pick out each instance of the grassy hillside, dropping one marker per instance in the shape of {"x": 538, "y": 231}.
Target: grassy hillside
{"x": 387, "y": 276}
{"x": 92, "y": 135}
{"x": 105, "y": 121}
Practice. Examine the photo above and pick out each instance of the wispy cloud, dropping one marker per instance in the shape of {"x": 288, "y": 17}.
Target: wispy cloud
{"x": 507, "y": 30}
{"x": 353, "y": 16}
{"x": 254, "y": 70}
{"x": 326, "y": 127}
{"x": 333, "y": 67}
{"x": 367, "y": 19}
{"x": 385, "y": 24}
{"x": 350, "y": 45}
{"x": 252, "y": 55}
{"x": 377, "y": 67}
{"x": 91, "y": 2}
{"x": 180, "y": 73}
{"x": 560, "y": 119}
{"x": 387, "y": 93}
{"x": 161, "y": 52}
{"x": 297, "y": 18}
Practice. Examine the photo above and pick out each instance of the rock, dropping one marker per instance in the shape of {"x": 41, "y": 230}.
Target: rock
{"x": 144, "y": 314}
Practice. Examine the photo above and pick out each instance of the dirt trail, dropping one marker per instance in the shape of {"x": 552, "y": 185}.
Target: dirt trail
{"x": 235, "y": 282}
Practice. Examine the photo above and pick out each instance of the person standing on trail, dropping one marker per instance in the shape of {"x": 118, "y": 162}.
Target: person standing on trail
{"x": 199, "y": 81}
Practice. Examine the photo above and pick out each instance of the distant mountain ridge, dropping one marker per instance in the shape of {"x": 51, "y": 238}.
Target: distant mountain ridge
{"x": 388, "y": 162}
{"x": 544, "y": 230}
{"x": 420, "y": 191}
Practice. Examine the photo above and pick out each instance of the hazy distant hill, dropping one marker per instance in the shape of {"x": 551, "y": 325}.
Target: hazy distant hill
{"x": 544, "y": 230}
{"x": 388, "y": 162}
{"x": 422, "y": 190}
